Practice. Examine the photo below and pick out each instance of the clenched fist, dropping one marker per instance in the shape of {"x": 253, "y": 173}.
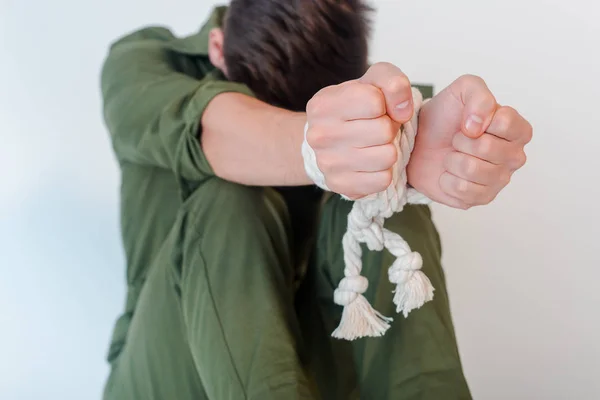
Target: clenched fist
{"x": 351, "y": 127}
{"x": 466, "y": 150}
{"x": 468, "y": 146}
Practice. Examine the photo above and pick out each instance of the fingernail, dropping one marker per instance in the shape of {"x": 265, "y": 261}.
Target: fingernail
{"x": 404, "y": 110}
{"x": 403, "y": 106}
{"x": 473, "y": 125}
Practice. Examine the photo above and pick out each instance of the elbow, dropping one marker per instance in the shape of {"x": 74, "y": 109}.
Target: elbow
{"x": 213, "y": 151}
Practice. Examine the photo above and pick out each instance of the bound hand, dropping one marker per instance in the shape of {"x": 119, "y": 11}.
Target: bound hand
{"x": 352, "y": 126}
{"x": 468, "y": 146}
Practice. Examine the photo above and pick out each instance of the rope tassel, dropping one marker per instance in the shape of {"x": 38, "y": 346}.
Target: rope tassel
{"x": 359, "y": 319}
{"x": 366, "y": 225}
{"x": 413, "y": 288}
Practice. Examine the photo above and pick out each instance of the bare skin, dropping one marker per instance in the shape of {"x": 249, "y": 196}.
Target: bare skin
{"x": 466, "y": 151}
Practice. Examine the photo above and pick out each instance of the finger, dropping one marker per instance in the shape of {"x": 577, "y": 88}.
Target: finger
{"x": 508, "y": 124}
{"x": 476, "y": 170}
{"x": 359, "y": 133}
{"x": 360, "y": 184}
{"x": 369, "y": 159}
{"x": 489, "y": 148}
{"x": 371, "y": 132}
{"x": 479, "y": 102}
{"x": 454, "y": 203}
{"x": 372, "y": 159}
{"x": 468, "y": 192}
{"x": 396, "y": 88}
{"x": 348, "y": 101}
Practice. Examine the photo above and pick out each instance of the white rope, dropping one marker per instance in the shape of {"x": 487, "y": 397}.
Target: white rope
{"x": 366, "y": 225}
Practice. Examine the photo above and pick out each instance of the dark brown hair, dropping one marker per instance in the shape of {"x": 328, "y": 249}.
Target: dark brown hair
{"x": 287, "y": 50}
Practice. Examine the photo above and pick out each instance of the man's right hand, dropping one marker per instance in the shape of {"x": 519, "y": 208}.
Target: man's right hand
{"x": 352, "y": 127}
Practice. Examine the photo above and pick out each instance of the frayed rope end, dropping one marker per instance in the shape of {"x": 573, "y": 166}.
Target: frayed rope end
{"x": 413, "y": 293}
{"x": 360, "y": 319}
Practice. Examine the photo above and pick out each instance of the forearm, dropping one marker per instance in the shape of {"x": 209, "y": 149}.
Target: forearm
{"x": 250, "y": 142}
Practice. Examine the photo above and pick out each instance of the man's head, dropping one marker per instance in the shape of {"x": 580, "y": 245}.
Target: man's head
{"x": 286, "y": 51}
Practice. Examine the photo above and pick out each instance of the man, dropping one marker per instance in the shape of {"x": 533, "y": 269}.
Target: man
{"x": 223, "y": 300}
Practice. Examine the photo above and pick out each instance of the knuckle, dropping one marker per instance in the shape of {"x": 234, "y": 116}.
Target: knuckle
{"x": 389, "y": 155}
{"x": 375, "y": 100}
{"x": 461, "y": 186}
{"x": 470, "y": 166}
{"x": 382, "y": 65}
{"x": 485, "y": 146}
{"x": 316, "y": 137}
{"x": 336, "y": 184}
{"x": 369, "y": 96}
{"x": 326, "y": 162}
{"x": 397, "y": 83}
{"x": 528, "y": 134}
{"x": 489, "y": 105}
{"x": 470, "y": 79}
{"x": 522, "y": 159}
{"x": 486, "y": 99}
{"x": 509, "y": 110}
{"x": 489, "y": 102}
{"x": 386, "y": 127}
{"x": 385, "y": 179}
{"x": 503, "y": 119}
{"x": 316, "y": 104}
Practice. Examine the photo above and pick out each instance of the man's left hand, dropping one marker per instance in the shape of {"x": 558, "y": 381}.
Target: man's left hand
{"x": 468, "y": 146}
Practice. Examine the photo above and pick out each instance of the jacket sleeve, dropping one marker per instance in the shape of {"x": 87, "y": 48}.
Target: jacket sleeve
{"x": 153, "y": 110}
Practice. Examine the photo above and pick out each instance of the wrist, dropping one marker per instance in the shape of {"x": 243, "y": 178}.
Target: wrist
{"x": 253, "y": 143}
{"x": 292, "y": 126}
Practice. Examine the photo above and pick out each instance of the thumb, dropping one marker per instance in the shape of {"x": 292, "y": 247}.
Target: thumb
{"x": 395, "y": 87}
{"x": 480, "y": 105}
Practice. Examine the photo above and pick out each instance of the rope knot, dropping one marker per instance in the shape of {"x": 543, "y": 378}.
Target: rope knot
{"x": 413, "y": 288}
{"x": 404, "y": 267}
{"x": 366, "y": 226}
{"x": 349, "y": 288}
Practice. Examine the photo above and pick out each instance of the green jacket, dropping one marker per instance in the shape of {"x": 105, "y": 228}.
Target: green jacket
{"x": 156, "y": 140}
{"x": 193, "y": 336}
{"x": 155, "y": 88}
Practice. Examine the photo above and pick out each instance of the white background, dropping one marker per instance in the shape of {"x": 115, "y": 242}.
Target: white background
{"x": 524, "y": 272}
